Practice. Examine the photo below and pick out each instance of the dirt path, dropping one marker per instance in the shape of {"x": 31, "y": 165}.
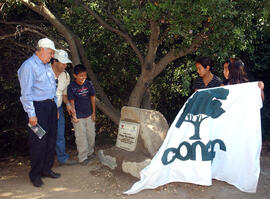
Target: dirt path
{"x": 98, "y": 182}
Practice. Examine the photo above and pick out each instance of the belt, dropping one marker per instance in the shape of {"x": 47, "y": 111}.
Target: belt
{"x": 46, "y": 100}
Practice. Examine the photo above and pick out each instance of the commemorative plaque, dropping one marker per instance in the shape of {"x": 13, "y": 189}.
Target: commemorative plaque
{"x": 127, "y": 135}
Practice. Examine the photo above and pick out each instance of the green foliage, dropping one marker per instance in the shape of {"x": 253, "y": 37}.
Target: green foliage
{"x": 172, "y": 87}
{"x": 261, "y": 57}
{"x": 12, "y": 115}
{"x": 230, "y": 27}
{"x": 259, "y": 66}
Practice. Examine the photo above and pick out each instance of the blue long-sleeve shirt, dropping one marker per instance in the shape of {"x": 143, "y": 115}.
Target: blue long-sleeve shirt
{"x": 37, "y": 83}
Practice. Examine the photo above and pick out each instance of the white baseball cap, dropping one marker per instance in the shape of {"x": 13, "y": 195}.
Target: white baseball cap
{"x": 62, "y": 56}
{"x": 46, "y": 43}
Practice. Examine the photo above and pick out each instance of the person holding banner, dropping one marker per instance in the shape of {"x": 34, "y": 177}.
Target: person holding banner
{"x": 207, "y": 79}
{"x": 234, "y": 73}
{"x": 201, "y": 146}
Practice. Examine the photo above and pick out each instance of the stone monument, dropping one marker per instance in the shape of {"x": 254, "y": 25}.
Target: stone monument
{"x": 141, "y": 133}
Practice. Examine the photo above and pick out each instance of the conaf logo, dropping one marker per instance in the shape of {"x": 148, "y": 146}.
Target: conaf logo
{"x": 202, "y": 105}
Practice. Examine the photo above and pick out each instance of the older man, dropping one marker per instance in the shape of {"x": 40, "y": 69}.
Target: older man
{"x": 38, "y": 97}
{"x": 59, "y": 64}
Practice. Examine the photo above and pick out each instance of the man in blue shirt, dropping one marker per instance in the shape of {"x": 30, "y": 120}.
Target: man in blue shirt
{"x": 38, "y": 97}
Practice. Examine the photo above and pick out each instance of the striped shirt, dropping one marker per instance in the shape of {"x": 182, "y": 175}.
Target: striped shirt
{"x": 199, "y": 84}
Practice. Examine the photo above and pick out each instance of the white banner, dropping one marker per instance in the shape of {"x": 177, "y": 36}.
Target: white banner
{"x": 216, "y": 135}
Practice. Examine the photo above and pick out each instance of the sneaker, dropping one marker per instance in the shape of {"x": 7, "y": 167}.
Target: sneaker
{"x": 92, "y": 156}
{"x": 85, "y": 162}
{"x": 68, "y": 162}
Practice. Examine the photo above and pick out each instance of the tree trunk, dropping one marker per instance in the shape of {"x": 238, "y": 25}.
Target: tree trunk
{"x": 146, "y": 101}
{"x": 137, "y": 94}
{"x": 114, "y": 116}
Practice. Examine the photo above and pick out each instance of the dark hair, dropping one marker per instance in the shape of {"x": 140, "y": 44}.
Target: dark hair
{"x": 79, "y": 68}
{"x": 53, "y": 59}
{"x": 205, "y": 61}
{"x": 237, "y": 72}
{"x": 227, "y": 62}
{"x": 232, "y": 59}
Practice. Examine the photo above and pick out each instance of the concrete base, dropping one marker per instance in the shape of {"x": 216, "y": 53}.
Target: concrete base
{"x": 128, "y": 162}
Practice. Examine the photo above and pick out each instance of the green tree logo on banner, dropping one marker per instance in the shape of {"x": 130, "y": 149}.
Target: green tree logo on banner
{"x": 200, "y": 106}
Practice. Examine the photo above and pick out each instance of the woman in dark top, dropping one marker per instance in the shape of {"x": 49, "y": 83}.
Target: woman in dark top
{"x": 235, "y": 73}
{"x": 207, "y": 79}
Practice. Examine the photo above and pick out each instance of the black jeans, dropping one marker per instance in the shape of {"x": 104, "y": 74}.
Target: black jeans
{"x": 42, "y": 151}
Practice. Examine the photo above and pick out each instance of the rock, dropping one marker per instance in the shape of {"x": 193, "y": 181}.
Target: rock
{"x": 124, "y": 161}
{"x": 153, "y": 130}
{"x": 134, "y": 168}
{"x": 152, "y": 137}
{"x": 107, "y": 160}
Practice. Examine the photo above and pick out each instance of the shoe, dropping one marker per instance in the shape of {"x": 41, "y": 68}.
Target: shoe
{"x": 37, "y": 183}
{"x": 67, "y": 162}
{"x": 85, "y": 162}
{"x": 52, "y": 175}
{"x": 92, "y": 156}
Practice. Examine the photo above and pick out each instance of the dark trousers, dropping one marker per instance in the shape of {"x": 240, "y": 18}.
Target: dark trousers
{"x": 42, "y": 151}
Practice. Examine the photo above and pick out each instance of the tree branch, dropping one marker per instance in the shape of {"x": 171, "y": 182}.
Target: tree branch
{"x": 153, "y": 42}
{"x": 19, "y": 31}
{"x": 108, "y": 27}
{"x": 175, "y": 54}
{"x": 25, "y": 24}
{"x": 114, "y": 117}
{"x": 18, "y": 49}
{"x": 45, "y": 12}
{"x": 117, "y": 21}
{"x": 32, "y": 49}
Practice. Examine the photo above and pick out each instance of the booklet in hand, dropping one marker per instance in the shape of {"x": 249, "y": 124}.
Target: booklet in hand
{"x": 37, "y": 130}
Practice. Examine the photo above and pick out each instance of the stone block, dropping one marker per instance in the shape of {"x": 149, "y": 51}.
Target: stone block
{"x": 153, "y": 130}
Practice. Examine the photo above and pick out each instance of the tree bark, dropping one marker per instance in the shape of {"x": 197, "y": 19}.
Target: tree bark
{"x": 137, "y": 93}
{"x": 146, "y": 101}
{"x": 115, "y": 117}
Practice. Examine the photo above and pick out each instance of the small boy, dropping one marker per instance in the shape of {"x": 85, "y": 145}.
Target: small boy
{"x": 81, "y": 94}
